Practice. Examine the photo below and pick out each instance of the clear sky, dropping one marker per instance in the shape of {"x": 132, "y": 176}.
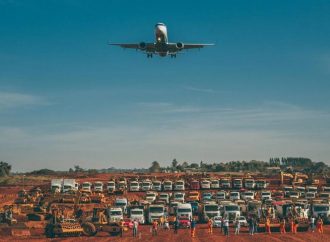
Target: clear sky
{"x": 67, "y": 98}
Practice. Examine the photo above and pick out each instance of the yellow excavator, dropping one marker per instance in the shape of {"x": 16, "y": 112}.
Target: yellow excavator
{"x": 296, "y": 178}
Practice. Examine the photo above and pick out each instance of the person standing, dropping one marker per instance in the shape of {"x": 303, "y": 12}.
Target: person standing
{"x": 210, "y": 226}
{"x": 251, "y": 225}
{"x": 155, "y": 228}
{"x": 135, "y": 228}
{"x": 176, "y": 226}
{"x": 267, "y": 226}
{"x": 312, "y": 223}
{"x": 193, "y": 228}
{"x": 282, "y": 226}
{"x": 122, "y": 224}
{"x": 319, "y": 225}
{"x": 255, "y": 225}
{"x": 237, "y": 227}
{"x": 226, "y": 226}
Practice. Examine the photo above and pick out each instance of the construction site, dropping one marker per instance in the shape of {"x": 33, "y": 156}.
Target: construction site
{"x": 106, "y": 206}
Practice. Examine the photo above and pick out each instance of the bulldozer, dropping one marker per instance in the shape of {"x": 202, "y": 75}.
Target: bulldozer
{"x": 100, "y": 221}
{"x": 59, "y": 226}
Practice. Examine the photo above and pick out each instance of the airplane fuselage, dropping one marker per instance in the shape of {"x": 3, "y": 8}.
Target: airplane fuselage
{"x": 161, "y": 39}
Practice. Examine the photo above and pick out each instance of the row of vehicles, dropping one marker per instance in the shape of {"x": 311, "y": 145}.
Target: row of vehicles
{"x": 64, "y": 185}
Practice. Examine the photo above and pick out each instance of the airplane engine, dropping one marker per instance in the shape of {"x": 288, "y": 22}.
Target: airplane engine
{"x": 179, "y": 46}
{"x": 143, "y": 46}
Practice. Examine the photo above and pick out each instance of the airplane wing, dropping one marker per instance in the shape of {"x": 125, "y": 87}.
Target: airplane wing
{"x": 148, "y": 47}
{"x": 173, "y": 47}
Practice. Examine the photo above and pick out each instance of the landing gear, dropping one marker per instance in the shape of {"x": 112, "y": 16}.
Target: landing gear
{"x": 149, "y": 55}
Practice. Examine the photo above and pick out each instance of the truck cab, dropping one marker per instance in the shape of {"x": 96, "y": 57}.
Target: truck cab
{"x": 249, "y": 183}
{"x": 164, "y": 197}
{"x": 225, "y": 183}
{"x": 287, "y": 190}
{"x": 237, "y": 183}
{"x": 184, "y": 211}
{"x": 56, "y": 185}
{"x": 179, "y": 196}
{"x": 231, "y": 211}
{"x": 86, "y": 187}
{"x": 266, "y": 195}
{"x": 70, "y": 185}
{"x": 157, "y": 185}
{"x": 261, "y": 184}
{"x": 248, "y": 195}
{"x": 215, "y": 184}
{"x": 210, "y": 210}
{"x": 98, "y": 186}
{"x": 205, "y": 184}
{"x": 116, "y": 214}
{"x": 111, "y": 186}
{"x": 146, "y": 185}
{"x": 194, "y": 185}
{"x": 168, "y": 185}
{"x": 220, "y": 195}
{"x": 321, "y": 210}
{"x": 151, "y": 197}
{"x": 137, "y": 213}
{"x": 122, "y": 203}
{"x": 155, "y": 212}
{"x": 134, "y": 186}
{"x": 179, "y": 185}
{"x": 234, "y": 195}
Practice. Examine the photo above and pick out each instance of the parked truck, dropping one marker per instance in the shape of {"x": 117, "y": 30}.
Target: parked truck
{"x": 155, "y": 212}
{"x": 209, "y": 211}
{"x": 249, "y": 183}
{"x": 70, "y": 185}
{"x": 98, "y": 186}
{"x": 237, "y": 183}
{"x": 56, "y": 185}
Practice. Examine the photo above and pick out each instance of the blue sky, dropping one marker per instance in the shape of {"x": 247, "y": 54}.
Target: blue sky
{"x": 67, "y": 98}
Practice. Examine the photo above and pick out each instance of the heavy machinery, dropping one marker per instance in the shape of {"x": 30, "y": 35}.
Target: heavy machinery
{"x": 100, "y": 221}
{"x": 59, "y": 226}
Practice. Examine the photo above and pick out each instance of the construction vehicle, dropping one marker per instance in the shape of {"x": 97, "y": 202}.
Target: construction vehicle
{"x": 62, "y": 227}
{"x": 100, "y": 221}
{"x": 56, "y": 185}
{"x": 69, "y": 185}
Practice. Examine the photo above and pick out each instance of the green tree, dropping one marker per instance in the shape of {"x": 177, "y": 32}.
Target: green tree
{"x": 174, "y": 164}
{"x": 155, "y": 167}
{"x": 5, "y": 169}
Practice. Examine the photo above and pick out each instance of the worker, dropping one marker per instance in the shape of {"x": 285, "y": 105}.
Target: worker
{"x": 255, "y": 225}
{"x": 251, "y": 225}
{"x": 237, "y": 227}
{"x": 166, "y": 224}
{"x": 312, "y": 224}
{"x": 226, "y": 226}
{"x": 155, "y": 228}
{"x": 295, "y": 225}
{"x": 319, "y": 225}
{"x": 210, "y": 226}
{"x": 267, "y": 226}
{"x": 193, "y": 228}
{"x": 176, "y": 226}
{"x": 103, "y": 218}
{"x": 161, "y": 221}
{"x": 282, "y": 226}
{"x": 121, "y": 224}
{"x": 135, "y": 228}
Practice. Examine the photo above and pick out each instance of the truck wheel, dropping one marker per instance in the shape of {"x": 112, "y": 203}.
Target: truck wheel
{"x": 89, "y": 229}
{"x": 49, "y": 231}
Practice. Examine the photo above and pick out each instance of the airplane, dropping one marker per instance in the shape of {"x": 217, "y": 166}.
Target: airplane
{"x": 161, "y": 46}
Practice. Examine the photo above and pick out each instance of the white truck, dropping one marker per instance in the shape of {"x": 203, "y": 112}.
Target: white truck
{"x": 220, "y": 195}
{"x": 261, "y": 184}
{"x": 164, "y": 197}
{"x": 179, "y": 197}
{"x": 215, "y": 184}
{"x": 205, "y": 184}
{"x": 111, "y": 186}
{"x": 134, "y": 186}
{"x": 249, "y": 183}
{"x": 179, "y": 185}
{"x": 86, "y": 187}
{"x": 225, "y": 183}
{"x": 116, "y": 214}
{"x": 234, "y": 195}
{"x": 157, "y": 185}
{"x": 70, "y": 185}
{"x": 266, "y": 195}
{"x": 98, "y": 186}
{"x": 321, "y": 209}
{"x": 237, "y": 183}
{"x": 151, "y": 197}
{"x": 56, "y": 185}
{"x": 155, "y": 212}
{"x": 231, "y": 211}
{"x": 137, "y": 213}
{"x": 146, "y": 185}
{"x": 122, "y": 203}
{"x": 248, "y": 195}
{"x": 168, "y": 185}
{"x": 210, "y": 210}
{"x": 184, "y": 211}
